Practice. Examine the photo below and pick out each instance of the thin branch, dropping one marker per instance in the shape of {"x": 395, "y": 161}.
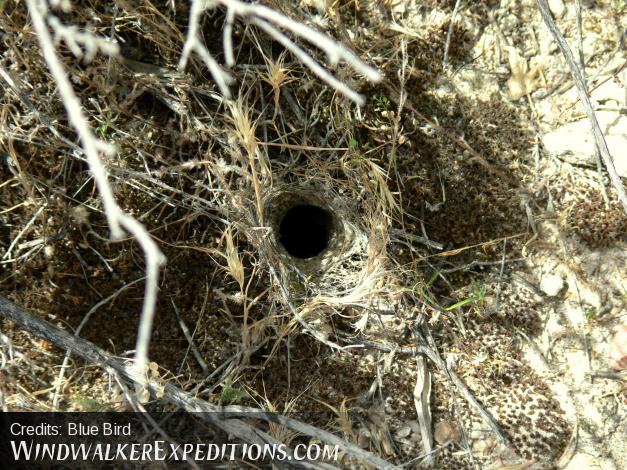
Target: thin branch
{"x": 309, "y": 62}
{"x": 270, "y": 20}
{"x": 74, "y": 39}
{"x": 227, "y": 37}
{"x": 117, "y": 219}
{"x": 219, "y": 416}
{"x": 416, "y": 238}
{"x": 193, "y": 43}
{"x": 580, "y": 83}
{"x": 423, "y": 348}
{"x": 17, "y": 238}
{"x": 190, "y": 340}
{"x": 422, "y": 398}
{"x": 334, "y": 50}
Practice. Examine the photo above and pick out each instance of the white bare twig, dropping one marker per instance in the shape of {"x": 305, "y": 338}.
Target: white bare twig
{"x": 227, "y": 37}
{"x": 194, "y": 43}
{"x": 270, "y": 21}
{"x": 422, "y": 398}
{"x": 117, "y": 219}
{"x": 74, "y": 39}
{"x": 309, "y": 61}
{"x": 580, "y": 84}
{"x": 7, "y": 254}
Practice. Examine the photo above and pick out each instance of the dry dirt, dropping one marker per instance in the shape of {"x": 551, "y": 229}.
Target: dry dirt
{"x": 521, "y": 287}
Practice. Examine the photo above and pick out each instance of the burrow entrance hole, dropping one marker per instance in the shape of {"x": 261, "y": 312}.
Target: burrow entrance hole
{"x": 305, "y": 230}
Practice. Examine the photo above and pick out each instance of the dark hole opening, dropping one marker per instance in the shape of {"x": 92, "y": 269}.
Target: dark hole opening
{"x": 305, "y": 231}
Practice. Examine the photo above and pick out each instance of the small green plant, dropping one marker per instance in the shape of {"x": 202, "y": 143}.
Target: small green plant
{"x": 103, "y": 129}
{"x": 87, "y": 404}
{"x": 230, "y": 394}
{"x": 591, "y": 313}
{"x": 382, "y": 104}
{"x": 476, "y": 297}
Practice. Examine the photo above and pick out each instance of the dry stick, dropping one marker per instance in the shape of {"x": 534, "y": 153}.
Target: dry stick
{"x": 193, "y": 42}
{"x": 422, "y": 398}
{"x": 423, "y": 348}
{"x": 582, "y": 61}
{"x": 434, "y": 355}
{"x": 190, "y": 340}
{"x": 580, "y": 83}
{"x": 91, "y": 145}
{"x": 416, "y": 238}
{"x": 582, "y": 64}
{"x": 334, "y": 50}
{"x": 270, "y": 20}
{"x": 117, "y": 219}
{"x": 306, "y": 59}
{"x": 219, "y": 416}
{"x": 17, "y": 238}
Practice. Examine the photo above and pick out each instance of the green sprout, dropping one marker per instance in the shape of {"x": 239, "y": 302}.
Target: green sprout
{"x": 88, "y": 404}
{"x": 477, "y": 297}
{"x": 103, "y": 129}
{"x": 591, "y": 313}
{"x": 230, "y": 394}
{"x": 382, "y": 104}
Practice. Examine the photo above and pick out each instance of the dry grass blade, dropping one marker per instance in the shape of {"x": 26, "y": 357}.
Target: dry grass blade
{"x": 244, "y": 130}
{"x": 277, "y": 76}
{"x": 235, "y": 266}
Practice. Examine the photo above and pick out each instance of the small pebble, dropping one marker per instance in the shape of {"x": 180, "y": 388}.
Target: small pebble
{"x": 552, "y": 285}
{"x": 557, "y": 7}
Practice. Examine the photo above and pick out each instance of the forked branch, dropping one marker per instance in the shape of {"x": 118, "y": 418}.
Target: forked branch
{"x": 270, "y": 21}
{"x": 118, "y": 220}
{"x": 219, "y": 416}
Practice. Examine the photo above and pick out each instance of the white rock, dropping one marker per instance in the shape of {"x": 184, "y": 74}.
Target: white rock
{"x": 403, "y": 432}
{"x": 551, "y": 285}
{"x": 574, "y": 142}
{"x": 557, "y": 7}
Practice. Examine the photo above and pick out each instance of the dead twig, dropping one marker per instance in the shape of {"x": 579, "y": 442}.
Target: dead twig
{"x": 223, "y": 417}
{"x": 422, "y": 347}
{"x": 580, "y": 83}
{"x": 190, "y": 340}
{"x": 117, "y": 219}
{"x": 270, "y": 21}
{"x": 422, "y": 398}
{"x": 416, "y": 238}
